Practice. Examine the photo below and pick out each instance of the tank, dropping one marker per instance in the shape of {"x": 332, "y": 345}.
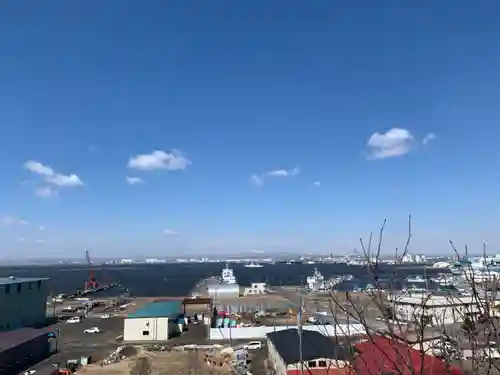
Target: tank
{"x": 218, "y": 322}
{"x": 226, "y": 322}
{"x": 223, "y": 291}
{"x": 232, "y": 323}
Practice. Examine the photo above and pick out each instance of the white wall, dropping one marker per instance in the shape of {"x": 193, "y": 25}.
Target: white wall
{"x": 261, "y": 332}
{"x": 158, "y": 329}
{"x": 275, "y": 359}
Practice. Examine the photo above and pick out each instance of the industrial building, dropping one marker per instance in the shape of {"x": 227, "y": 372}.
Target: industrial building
{"x": 22, "y": 302}
{"x": 433, "y": 310}
{"x": 223, "y": 291}
{"x": 320, "y": 354}
{"x": 156, "y": 321}
{"x": 256, "y": 289}
{"x": 21, "y": 348}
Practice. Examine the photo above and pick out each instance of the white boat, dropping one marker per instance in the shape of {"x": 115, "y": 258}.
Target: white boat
{"x": 316, "y": 282}
{"x": 252, "y": 264}
{"x": 416, "y": 279}
{"x": 227, "y": 276}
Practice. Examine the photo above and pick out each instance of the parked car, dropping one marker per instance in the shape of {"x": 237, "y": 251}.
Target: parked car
{"x": 68, "y": 309}
{"x": 73, "y": 320}
{"x": 105, "y": 316}
{"x": 253, "y": 345}
{"x": 92, "y": 330}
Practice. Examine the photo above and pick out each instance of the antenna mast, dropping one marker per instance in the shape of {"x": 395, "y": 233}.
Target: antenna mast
{"x": 299, "y": 331}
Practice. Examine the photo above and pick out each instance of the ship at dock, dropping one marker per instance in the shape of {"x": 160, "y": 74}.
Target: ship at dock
{"x": 316, "y": 283}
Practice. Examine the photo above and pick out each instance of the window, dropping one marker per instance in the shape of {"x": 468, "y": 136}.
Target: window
{"x": 321, "y": 363}
{"x": 7, "y": 289}
{"x": 39, "y": 284}
{"x": 19, "y": 287}
{"x": 145, "y": 333}
{"x": 311, "y": 364}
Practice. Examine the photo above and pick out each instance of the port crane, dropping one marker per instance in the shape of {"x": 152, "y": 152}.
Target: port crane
{"x": 91, "y": 283}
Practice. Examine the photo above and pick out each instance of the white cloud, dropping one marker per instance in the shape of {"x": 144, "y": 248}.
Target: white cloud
{"x": 21, "y": 239}
{"x": 134, "y": 180}
{"x": 51, "y": 177}
{"x": 393, "y": 143}
{"x": 259, "y": 180}
{"x": 39, "y": 241}
{"x": 172, "y": 161}
{"x": 12, "y": 221}
{"x": 256, "y": 180}
{"x": 170, "y": 232}
{"x": 45, "y": 192}
{"x": 428, "y": 138}
{"x": 41, "y": 228}
{"x": 317, "y": 183}
{"x": 284, "y": 172}
{"x": 64, "y": 180}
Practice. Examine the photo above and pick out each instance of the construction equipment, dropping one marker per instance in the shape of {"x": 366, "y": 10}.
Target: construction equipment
{"x": 91, "y": 283}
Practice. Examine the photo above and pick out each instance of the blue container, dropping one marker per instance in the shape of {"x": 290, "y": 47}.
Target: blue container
{"x": 218, "y": 322}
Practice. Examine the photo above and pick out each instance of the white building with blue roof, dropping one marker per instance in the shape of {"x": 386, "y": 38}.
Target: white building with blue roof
{"x": 156, "y": 321}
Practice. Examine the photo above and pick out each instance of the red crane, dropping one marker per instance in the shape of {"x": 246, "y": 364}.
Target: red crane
{"x": 91, "y": 283}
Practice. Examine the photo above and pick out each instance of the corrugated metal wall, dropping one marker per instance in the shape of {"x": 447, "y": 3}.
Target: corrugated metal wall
{"x": 223, "y": 291}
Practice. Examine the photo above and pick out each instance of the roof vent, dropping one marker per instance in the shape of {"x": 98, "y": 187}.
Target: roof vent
{"x": 12, "y": 277}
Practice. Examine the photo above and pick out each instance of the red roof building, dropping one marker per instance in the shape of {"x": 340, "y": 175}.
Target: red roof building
{"x": 385, "y": 356}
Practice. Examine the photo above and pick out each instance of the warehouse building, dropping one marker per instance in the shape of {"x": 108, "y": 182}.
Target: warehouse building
{"x": 156, "y": 321}
{"x": 22, "y": 302}
{"x": 22, "y": 348}
{"x": 320, "y": 354}
{"x": 433, "y": 310}
{"x": 223, "y": 291}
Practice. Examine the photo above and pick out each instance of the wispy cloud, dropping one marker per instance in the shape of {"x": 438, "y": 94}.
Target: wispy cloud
{"x": 317, "y": 183}
{"x": 284, "y": 172}
{"x": 170, "y": 232}
{"x": 259, "y": 179}
{"x": 134, "y": 180}
{"x": 45, "y": 192}
{"x": 171, "y": 161}
{"x": 256, "y": 180}
{"x": 428, "y": 138}
{"x": 11, "y": 221}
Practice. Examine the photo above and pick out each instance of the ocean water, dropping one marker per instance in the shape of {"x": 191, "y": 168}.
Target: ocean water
{"x": 179, "y": 279}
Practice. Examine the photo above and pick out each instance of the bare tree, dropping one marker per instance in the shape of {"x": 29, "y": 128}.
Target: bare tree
{"x": 473, "y": 329}
{"x": 141, "y": 366}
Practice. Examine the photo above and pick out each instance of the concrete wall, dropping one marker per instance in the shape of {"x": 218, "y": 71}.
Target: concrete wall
{"x": 275, "y": 359}
{"x": 261, "y": 332}
{"x": 148, "y": 329}
{"x": 23, "y": 304}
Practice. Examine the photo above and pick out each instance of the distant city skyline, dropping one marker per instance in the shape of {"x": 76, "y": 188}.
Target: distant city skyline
{"x": 133, "y": 128}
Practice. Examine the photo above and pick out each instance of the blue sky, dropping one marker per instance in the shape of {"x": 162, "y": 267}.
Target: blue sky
{"x": 270, "y": 125}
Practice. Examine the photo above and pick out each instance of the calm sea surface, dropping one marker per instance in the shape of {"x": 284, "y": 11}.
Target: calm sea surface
{"x": 179, "y": 279}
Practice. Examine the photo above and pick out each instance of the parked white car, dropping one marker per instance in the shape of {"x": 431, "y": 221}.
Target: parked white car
{"x": 92, "y": 330}
{"x": 73, "y": 320}
{"x": 105, "y": 316}
{"x": 253, "y": 345}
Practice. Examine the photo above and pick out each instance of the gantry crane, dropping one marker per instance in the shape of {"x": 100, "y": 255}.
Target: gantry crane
{"x": 91, "y": 283}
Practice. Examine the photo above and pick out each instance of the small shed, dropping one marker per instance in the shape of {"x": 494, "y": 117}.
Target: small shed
{"x": 156, "y": 321}
{"x": 223, "y": 291}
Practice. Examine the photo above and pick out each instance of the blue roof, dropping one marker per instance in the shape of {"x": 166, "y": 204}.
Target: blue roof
{"x": 169, "y": 309}
{"x": 16, "y": 280}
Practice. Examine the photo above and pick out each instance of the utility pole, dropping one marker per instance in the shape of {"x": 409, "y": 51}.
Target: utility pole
{"x": 299, "y": 331}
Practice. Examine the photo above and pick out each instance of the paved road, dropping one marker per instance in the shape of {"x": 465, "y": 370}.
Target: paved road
{"x": 74, "y": 343}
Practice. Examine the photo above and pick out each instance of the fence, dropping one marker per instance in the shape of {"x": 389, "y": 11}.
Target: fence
{"x": 261, "y": 332}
